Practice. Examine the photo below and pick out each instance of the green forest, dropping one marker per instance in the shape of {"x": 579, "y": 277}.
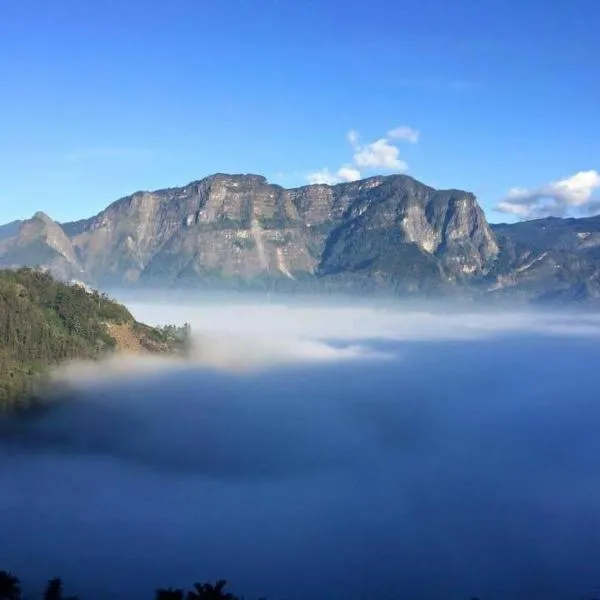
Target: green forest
{"x": 44, "y": 322}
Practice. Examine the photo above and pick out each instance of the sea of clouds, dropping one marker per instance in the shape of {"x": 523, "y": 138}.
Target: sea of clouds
{"x": 323, "y": 450}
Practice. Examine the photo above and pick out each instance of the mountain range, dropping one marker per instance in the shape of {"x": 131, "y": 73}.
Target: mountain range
{"x": 388, "y": 234}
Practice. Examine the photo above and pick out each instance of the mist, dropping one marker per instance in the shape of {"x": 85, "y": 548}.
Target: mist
{"x": 323, "y": 451}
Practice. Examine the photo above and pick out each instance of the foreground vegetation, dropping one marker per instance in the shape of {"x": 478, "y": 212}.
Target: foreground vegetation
{"x": 44, "y": 322}
{"x": 10, "y": 589}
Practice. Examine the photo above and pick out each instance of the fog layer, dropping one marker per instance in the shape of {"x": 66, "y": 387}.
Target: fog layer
{"x": 381, "y": 454}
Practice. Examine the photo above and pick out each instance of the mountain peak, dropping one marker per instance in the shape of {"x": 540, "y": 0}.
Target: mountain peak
{"x": 42, "y": 216}
{"x": 39, "y": 241}
{"x": 239, "y": 178}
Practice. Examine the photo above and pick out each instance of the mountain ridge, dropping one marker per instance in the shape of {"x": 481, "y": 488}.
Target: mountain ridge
{"x": 391, "y": 234}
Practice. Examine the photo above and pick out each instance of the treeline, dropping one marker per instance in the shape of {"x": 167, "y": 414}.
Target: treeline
{"x": 11, "y": 589}
{"x": 44, "y": 322}
{"x": 179, "y": 337}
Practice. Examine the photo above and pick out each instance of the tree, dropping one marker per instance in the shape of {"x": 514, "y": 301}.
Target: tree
{"x": 10, "y": 586}
{"x": 54, "y": 590}
{"x": 207, "y": 591}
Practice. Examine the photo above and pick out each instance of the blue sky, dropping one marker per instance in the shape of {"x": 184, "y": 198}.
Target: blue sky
{"x": 103, "y": 98}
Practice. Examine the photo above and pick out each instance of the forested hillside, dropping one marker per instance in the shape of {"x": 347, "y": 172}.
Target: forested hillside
{"x": 44, "y": 322}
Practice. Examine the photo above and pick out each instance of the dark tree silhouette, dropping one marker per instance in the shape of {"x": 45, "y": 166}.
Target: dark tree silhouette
{"x": 169, "y": 594}
{"x": 207, "y": 591}
{"x": 10, "y": 589}
{"x": 10, "y": 586}
{"x": 54, "y": 590}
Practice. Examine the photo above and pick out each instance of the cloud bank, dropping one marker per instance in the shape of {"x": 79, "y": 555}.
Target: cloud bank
{"x": 383, "y": 154}
{"x": 571, "y": 196}
{"x": 466, "y": 468}
{"x": 240, "y": 338}
{"x": 285, "y": 326}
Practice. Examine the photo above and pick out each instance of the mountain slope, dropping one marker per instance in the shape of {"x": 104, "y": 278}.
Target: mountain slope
{"x": 44, "y": 322}
{"x": 9, "y": 229}
{"x": 572, "y": 235}
{"x": 550, "y": 260}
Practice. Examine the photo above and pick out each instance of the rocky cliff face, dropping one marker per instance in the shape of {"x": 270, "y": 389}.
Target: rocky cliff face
{"x": 397, "y": 227}
{"x": 391, "y": 233}
{"x": 240, "y": 226}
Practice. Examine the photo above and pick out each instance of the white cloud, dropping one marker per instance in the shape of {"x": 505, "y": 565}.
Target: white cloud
{"x": 346, "y": 173}
{"x": 323, "y": 176}
{"x": 380, "y": 155}
{"x": 576, "y": 190}
{"x": 557, "y": 198}
{"x": 405, "y": 133}
{"x": 353, "y": 138}
{"x": 515, "y": 209}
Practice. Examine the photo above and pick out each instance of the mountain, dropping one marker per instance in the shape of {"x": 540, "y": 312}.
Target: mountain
{"x": 551, "y": 260}
{"x": 389, "y": 234}
{"x": 40, "y": 240}
{"x": 45, "y": 322}
{"x": 9, "y": 229}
